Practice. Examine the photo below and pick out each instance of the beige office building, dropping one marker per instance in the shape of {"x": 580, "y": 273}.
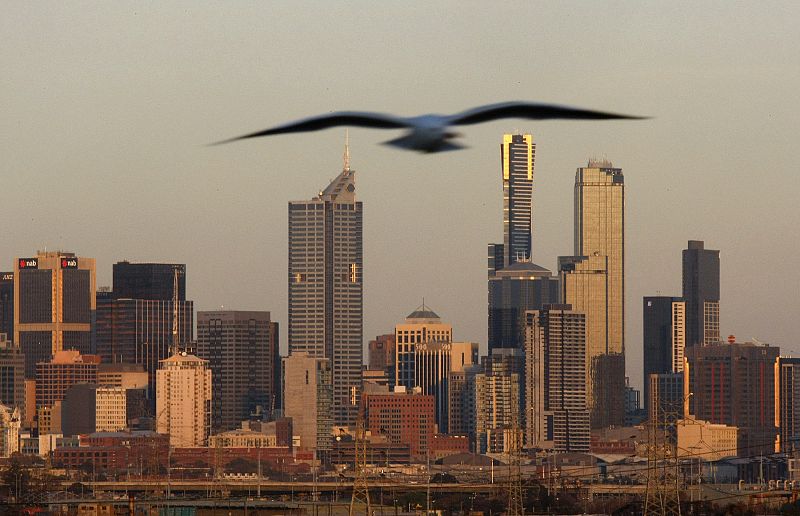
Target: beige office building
{"x": 54, "y": 300}
{"x": 111, "y": 405}
{"x": 709, "y": 441}
{"x": 593, "y": 282}
{"x": 308, "y": 397}
{"x": 183, "y": 400}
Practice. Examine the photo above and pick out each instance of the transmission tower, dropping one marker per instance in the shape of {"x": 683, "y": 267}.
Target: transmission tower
{"x": 663, "y": 486}
{"x": 359, "y": 502}
{"x": 515, "y": 493}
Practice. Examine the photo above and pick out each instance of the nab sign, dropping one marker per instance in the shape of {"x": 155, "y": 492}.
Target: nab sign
{"x": 28, "y": 263}
{"x": 68, "y": 262}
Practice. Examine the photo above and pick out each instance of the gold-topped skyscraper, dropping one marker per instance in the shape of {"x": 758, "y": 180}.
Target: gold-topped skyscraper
{"x": 593, "y": 282}
{"x": 517, "y": 159}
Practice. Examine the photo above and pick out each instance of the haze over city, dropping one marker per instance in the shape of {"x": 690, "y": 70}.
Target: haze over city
{"x": 108, "y": 110}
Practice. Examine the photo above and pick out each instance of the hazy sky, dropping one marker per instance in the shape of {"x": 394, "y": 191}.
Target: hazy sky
{"x": 107, "y": 107}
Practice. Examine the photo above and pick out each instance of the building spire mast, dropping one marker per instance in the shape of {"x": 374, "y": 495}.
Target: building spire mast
{"x": 346, "y": 150}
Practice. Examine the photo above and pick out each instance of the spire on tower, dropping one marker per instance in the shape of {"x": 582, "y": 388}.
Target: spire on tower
{"x": 346, "y": 150}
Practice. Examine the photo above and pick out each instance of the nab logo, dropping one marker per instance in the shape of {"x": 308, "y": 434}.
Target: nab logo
{"x": 69, "y": 263}
{"x": 28, "y": 263}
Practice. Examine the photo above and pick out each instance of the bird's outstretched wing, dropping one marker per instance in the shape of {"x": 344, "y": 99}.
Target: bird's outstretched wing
{"x": 530, "y": 111}
{"x": 316, "y": 123}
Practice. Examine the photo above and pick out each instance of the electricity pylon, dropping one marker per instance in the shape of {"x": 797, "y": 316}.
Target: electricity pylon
{"x": 515, "y": 493}
{"x": 663, "y": 488}
{"x": 360, "y": 497}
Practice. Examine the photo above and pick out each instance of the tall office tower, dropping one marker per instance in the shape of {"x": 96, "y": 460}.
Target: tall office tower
{"x": 701, "y": 292}
{"x": 422, "y": 325}
{"x": 7, "y": 303}
{"x": 54, "y": 305}
{"x": 584, "y": 284}
{"x": 12, "y": 375}
{"x": 664, "y": 336}
{"x": 326, "y": 282}
{"x": 555, "y": 379}
{"x": 734, "y": 384}
{"x": 183, "y": 400}
{"x": 138, "y": 330}
{"x": 517, "y": 157}
{"x": 242, "y": 350}
{"x": 513, "y": 291}
{"x": 600, "y": 231}
{"x": 308, "y": 399}
{"x": 788, "y": 403}
{"x": 154, "y": 281}
{"x": 422, "y": 357}
{"x": 54, "y": 378}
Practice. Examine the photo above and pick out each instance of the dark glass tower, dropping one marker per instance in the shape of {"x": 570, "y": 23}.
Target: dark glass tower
{"x": 514, "y": 290}
{"x": 664, "y": 336}
{"x": 242, "y": 351}
{"x": 701, "y": 292}
{"x": 152, "y": 281}
{"x": 7, "y": 304}
{"x": 134, "y": 321}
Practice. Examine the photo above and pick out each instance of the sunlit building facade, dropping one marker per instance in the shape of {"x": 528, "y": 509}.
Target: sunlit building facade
{"x": 326, "y": 283}
{"x": 54, "y": 305}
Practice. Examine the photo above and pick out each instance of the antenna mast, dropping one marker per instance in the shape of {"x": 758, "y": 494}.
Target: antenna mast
{"x": 346, "y": 150}
{"x": 175, "y": 340}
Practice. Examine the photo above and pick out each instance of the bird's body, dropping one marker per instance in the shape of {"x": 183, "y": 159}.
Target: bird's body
{"x": 432, "y": 133}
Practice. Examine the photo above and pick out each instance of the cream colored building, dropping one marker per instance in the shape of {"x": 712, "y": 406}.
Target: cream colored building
{"x": 10, "y": 421}
{"x": 709, "y": 441}
{"x": 241, "y": 438}
{"x": 183, "y": 400}
{"x": 308, "y": 398}
{"x": 110, "y": 409}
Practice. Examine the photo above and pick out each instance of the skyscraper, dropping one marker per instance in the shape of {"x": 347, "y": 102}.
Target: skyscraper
{"x": 555, "y": 367}
{"x": 183, "y": 400}
{"x": 326, "y": 286}
{"x": 7, "y": 303}
{"x": 520, "y": 287}
{"x": 139, "y": 330}
{"x": 54, "y": 305}
{"x": 664, "y": 336}
{"x": 423, "y": 355}
{"x": 517, "y": 159}
{"x": 701, "y": 292}
{"x": 600, "y": 252}
{"x": 242, "y": 351}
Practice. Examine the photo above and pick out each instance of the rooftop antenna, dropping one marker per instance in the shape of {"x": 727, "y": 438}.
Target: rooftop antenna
{"x": 346, "y": 150}
{"x": 175, "y": 343}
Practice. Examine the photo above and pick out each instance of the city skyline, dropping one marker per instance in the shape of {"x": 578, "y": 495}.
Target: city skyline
{"x": 112, "y": 136}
